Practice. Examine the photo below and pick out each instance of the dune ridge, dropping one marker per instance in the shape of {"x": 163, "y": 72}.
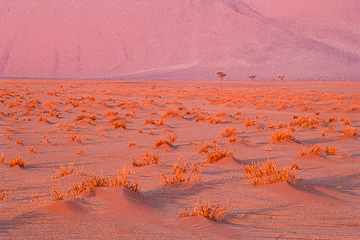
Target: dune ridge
{"x": 182, "y": 40}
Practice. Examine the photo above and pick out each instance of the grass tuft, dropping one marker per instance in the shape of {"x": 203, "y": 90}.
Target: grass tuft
{"x": 218, "y": 154}
{"x": 17, "y": 161}
{"x": 348, "y": 131}
{"x": 228, "y": 132}
{"x": 279, "y": 136}
{"x": 183, "y": 172}
{"x": 267, "y": 172}
{"x": 205, "y": 209}
{"x": 3, "y": 195}
{"x": 145, "y": 160}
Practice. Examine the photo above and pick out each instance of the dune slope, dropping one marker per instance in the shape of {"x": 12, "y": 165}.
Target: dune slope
{"x": 165, "y": 39}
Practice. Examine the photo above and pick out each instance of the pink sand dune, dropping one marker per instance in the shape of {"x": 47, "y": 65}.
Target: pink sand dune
{"x": 176, "y": 39}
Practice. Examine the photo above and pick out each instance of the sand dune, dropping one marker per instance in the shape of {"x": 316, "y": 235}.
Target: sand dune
{"x": 189, "y": 40}
{"x": 79, "y": 179}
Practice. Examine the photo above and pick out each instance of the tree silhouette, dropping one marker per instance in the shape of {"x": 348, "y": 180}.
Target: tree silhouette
{"x": 221, "y": 75}
{"x": 252, "y": 77}
{"x": 281, "y": 77}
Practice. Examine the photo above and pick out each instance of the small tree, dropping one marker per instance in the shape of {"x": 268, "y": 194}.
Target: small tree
{"x": 221, "y": 75}
{"x": 281, "y": 77}
{"x": 252, "y": 77}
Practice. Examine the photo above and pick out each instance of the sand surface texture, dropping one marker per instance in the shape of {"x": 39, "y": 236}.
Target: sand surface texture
{"x": 95, "y": 133}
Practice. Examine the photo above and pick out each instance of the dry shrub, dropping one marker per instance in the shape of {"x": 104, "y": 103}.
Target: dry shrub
{"x": 332, "y": 119}
{"x": 346, "y": 122}
{"x": 130, "y": 144}
{"x": 182, "y": 172}
{"x": 130, "y": 114}
{"x": 34, "y": 197}
{"x": 266, "y": 172}
{"x": 149, "y": 121}
{"x": 17, "y": 161}
{"x": 316, "y": 149}
{"x": 74, "y": 138}
{"x": 221, "y": 113}
{"x": 232, "y": 140}
{"x": 110, "y": 112}
{"x": 229, "y": 132}
{"x": 161, "y": 141}
{"x": 32, "y": 149}
{"x": 170, "y": 112}
{"x": 279, "y": 135}
{"x": 3, "y": 195}
{"x": 200, "y": 118}
{"x": 302, "y": 151}
{"x": 205, "y": 209}
{"x": 305, "y": 122}
{"x": 66, "y": 171}
{"x": 218, "y": 154}
{"x": 2, "y": 159}
{"x": 146, "y": 160}
{"x": 121, "y": 179}
{"x": 205, "y": 147}
{"x": 283, "y": 106}
{"x": 80, "y": 151}
{"x": 248, "y": 122}
{"x": 332, "y": 150}
{"x": 117, "y": 122}
{"x": 320, "y": 150}
{"x": 59, "y": 194}
{"x": 348, "y": 131}
{"x": 214, "y": 120}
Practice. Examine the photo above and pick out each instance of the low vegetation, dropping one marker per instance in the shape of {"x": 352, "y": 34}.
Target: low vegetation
{"x": 279, "y": 136}
{"x": 351, "y": 132}
{"x": 267, "y": 172}
{"x": 218, "y": 154}
{"x": 3, "y": 195}
{"x": 318, "y": 149}
{"x": 17, "y": 161}
{"x": 228, "y": 132}
{"x": 182, "y": 172}
{"x": 145, "y": 160}
{"x": 169, "y": 141}
{"x": 91, "y": 182}
{"x": 205, "y": 209}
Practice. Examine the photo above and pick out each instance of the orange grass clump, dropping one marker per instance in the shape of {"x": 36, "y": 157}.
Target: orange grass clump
{"x": 2, "y": 159}
{"x": 318, "y": 150}
{"x": 278, "y": 136}
{"x": 229, "y": 132}
{"x": 217, "y": 155}
{"x": 17, "y": 161}
{"x": 266, "y": 172}
{"x": 146, "y": 160}
{"x": 32, "y": 149}
{"x": 66, "y": 171}
{"x": 248, "y": 123}
{"x": 170, "y": 112}
{"x": 205, "y": 209}
{"x": 206, "y": 147}
{"x": 3, "y": 195}
{"x": 121, "y": 179}
{"x": 160, "y": 141}
{"x": 348, "y": 131}
{"x": 192, "y": 171}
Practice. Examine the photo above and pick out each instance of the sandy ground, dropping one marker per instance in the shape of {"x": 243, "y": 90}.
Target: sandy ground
{"x": 323, "y": 203}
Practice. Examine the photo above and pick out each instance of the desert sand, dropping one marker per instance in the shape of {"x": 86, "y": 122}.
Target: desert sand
{"x": 66, "y": 132}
